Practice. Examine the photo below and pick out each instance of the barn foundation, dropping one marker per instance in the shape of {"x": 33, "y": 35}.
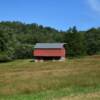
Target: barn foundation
{"x": 42, "y": 59}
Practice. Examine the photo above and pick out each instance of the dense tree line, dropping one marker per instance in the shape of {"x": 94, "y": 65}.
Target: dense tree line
{"x": 17, "y": 40}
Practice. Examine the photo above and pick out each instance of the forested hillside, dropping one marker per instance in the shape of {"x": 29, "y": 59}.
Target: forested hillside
{"x": 17, "y": 40}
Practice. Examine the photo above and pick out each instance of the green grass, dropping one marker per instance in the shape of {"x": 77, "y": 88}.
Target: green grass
{"x": 74, "y": 78}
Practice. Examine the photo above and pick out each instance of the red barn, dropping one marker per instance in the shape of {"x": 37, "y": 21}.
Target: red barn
{"x": 49, "y": 51}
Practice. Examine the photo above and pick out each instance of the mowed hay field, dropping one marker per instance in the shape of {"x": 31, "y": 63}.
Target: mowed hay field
{"x": 74, "y": 79}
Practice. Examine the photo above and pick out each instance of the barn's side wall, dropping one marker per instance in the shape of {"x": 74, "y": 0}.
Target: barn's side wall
{"x": 49, "y": 52}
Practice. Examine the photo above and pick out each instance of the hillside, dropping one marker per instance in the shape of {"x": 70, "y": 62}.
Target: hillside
{"x": 17, "y": 40}
{"x": 74, "y": 79}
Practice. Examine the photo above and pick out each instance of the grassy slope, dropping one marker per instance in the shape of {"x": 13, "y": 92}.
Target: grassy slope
{"x": 70, "y": 80}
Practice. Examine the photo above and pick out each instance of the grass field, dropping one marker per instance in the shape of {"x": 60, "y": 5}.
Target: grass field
{"x": 74, "y": 79}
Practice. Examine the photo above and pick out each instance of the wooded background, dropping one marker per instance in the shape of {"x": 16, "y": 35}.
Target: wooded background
{"x": 17, "y": 40}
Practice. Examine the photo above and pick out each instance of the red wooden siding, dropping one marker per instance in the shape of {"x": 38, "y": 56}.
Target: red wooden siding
{"x": 50, "y": 52}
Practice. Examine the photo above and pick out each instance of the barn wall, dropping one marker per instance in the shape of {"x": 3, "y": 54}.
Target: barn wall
{"x": 49, "y": 52}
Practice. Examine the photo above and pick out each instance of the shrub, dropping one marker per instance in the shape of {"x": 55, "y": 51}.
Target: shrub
{"x": 4, "y": 57}
{"x": 23, "y": 51}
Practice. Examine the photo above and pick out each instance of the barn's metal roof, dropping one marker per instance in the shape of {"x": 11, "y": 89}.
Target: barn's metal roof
{"x": 49, "y": 45}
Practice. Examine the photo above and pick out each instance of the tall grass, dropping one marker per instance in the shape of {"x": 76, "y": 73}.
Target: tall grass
{"x": 26, "y": 80}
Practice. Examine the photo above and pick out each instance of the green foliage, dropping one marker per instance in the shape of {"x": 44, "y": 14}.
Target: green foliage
{"x": 17, "y": 40}
{"x": 75, "y": 42}
{"x": 5, "y": 56}
{"x": 93, "y": 41}
{"x": 23, "y": 51}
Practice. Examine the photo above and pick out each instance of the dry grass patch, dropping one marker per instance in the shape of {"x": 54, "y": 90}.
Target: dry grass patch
{"x": 88, "y": 96}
